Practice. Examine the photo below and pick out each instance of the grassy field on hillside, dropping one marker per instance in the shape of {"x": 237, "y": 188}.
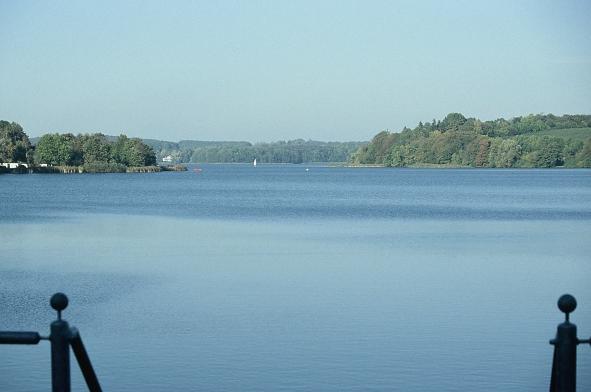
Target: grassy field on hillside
{"x": 581, "y": 134}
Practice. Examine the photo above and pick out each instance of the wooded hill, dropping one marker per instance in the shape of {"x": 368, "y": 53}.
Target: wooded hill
{"x": 530, "y": 141}
{"x": 292, "y": 151}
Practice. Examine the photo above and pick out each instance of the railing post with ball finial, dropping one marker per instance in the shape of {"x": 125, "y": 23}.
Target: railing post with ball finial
{"x": 61, "y": 338}
{"x": 564, "y": 364}
{"x": 60, "y": 346}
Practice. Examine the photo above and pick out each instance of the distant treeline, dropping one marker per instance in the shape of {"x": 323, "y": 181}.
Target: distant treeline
{"x": 92, "y": 152}
{"x": 530, "y": 141}
{"x": 293, "y": 151}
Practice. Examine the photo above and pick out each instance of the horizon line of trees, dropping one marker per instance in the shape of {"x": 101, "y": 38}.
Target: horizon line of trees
{"x": 95, "y": 152}
{"x": 460, "y": 141}
{"x": 292, "y": 151}
{"x": 455, "y": 140}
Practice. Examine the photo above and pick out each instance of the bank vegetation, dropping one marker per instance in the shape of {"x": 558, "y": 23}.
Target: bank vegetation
{"x": 456, "y": 141}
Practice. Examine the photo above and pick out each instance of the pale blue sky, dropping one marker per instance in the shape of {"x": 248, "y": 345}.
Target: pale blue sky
{"x": 270, "y": 70}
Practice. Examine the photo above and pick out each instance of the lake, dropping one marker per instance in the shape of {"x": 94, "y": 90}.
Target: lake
{"x": 276, "y": 278}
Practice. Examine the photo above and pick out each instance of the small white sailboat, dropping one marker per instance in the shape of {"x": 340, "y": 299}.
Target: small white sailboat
{"x": 254, "y": 163}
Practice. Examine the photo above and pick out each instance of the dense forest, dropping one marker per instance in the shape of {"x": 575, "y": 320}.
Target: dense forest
{"x": 530, "y": 141}
{"x": 293, "y": 151}
{"x": 91, "y": 152}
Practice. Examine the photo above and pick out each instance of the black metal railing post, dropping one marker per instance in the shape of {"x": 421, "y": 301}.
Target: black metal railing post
{"x": 60, "y": 346}
{"x": 62, "y": 336}
{"x": 564, "y": 363}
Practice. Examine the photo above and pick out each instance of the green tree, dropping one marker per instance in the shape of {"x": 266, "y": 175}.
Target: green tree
{"x": 95, "y": 148}
{"x": 14, "y": 143}
{"x": 56, "y": 149}
{"x": 132, "y": 152}
{"x": 139, "y": 153}
{"x": 570, "y": 151}
{"x": 548, "y": 152}
{"x": 504, "y": 153}
{"x": 453, "y": 121}
{"x": 119, "y": 150}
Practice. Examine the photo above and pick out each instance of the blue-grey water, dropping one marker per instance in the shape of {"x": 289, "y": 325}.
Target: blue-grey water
{"x": 277, "y": 278}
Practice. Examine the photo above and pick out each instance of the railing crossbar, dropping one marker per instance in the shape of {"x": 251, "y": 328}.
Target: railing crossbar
{"x": 62, "y": 337}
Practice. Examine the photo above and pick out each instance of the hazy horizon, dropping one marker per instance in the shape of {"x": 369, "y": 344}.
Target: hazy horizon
{"x": 206, "y": 140}
{"x": 76, "y": 132}
{"x": 268, "y": 71}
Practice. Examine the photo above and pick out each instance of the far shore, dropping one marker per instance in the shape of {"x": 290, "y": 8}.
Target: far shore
{"x": 36, "y": 169}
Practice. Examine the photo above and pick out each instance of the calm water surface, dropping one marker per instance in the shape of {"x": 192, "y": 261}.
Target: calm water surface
{"x": 274, "y": 278}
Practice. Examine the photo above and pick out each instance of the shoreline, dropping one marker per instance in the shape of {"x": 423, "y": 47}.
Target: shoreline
{"x": 22, "y": 169}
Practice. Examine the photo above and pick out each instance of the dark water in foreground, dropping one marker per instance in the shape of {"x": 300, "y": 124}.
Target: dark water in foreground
{"x": 274, "y": 278}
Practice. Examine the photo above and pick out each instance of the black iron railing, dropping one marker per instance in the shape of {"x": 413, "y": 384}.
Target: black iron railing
{"x": 62, "y": 337}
